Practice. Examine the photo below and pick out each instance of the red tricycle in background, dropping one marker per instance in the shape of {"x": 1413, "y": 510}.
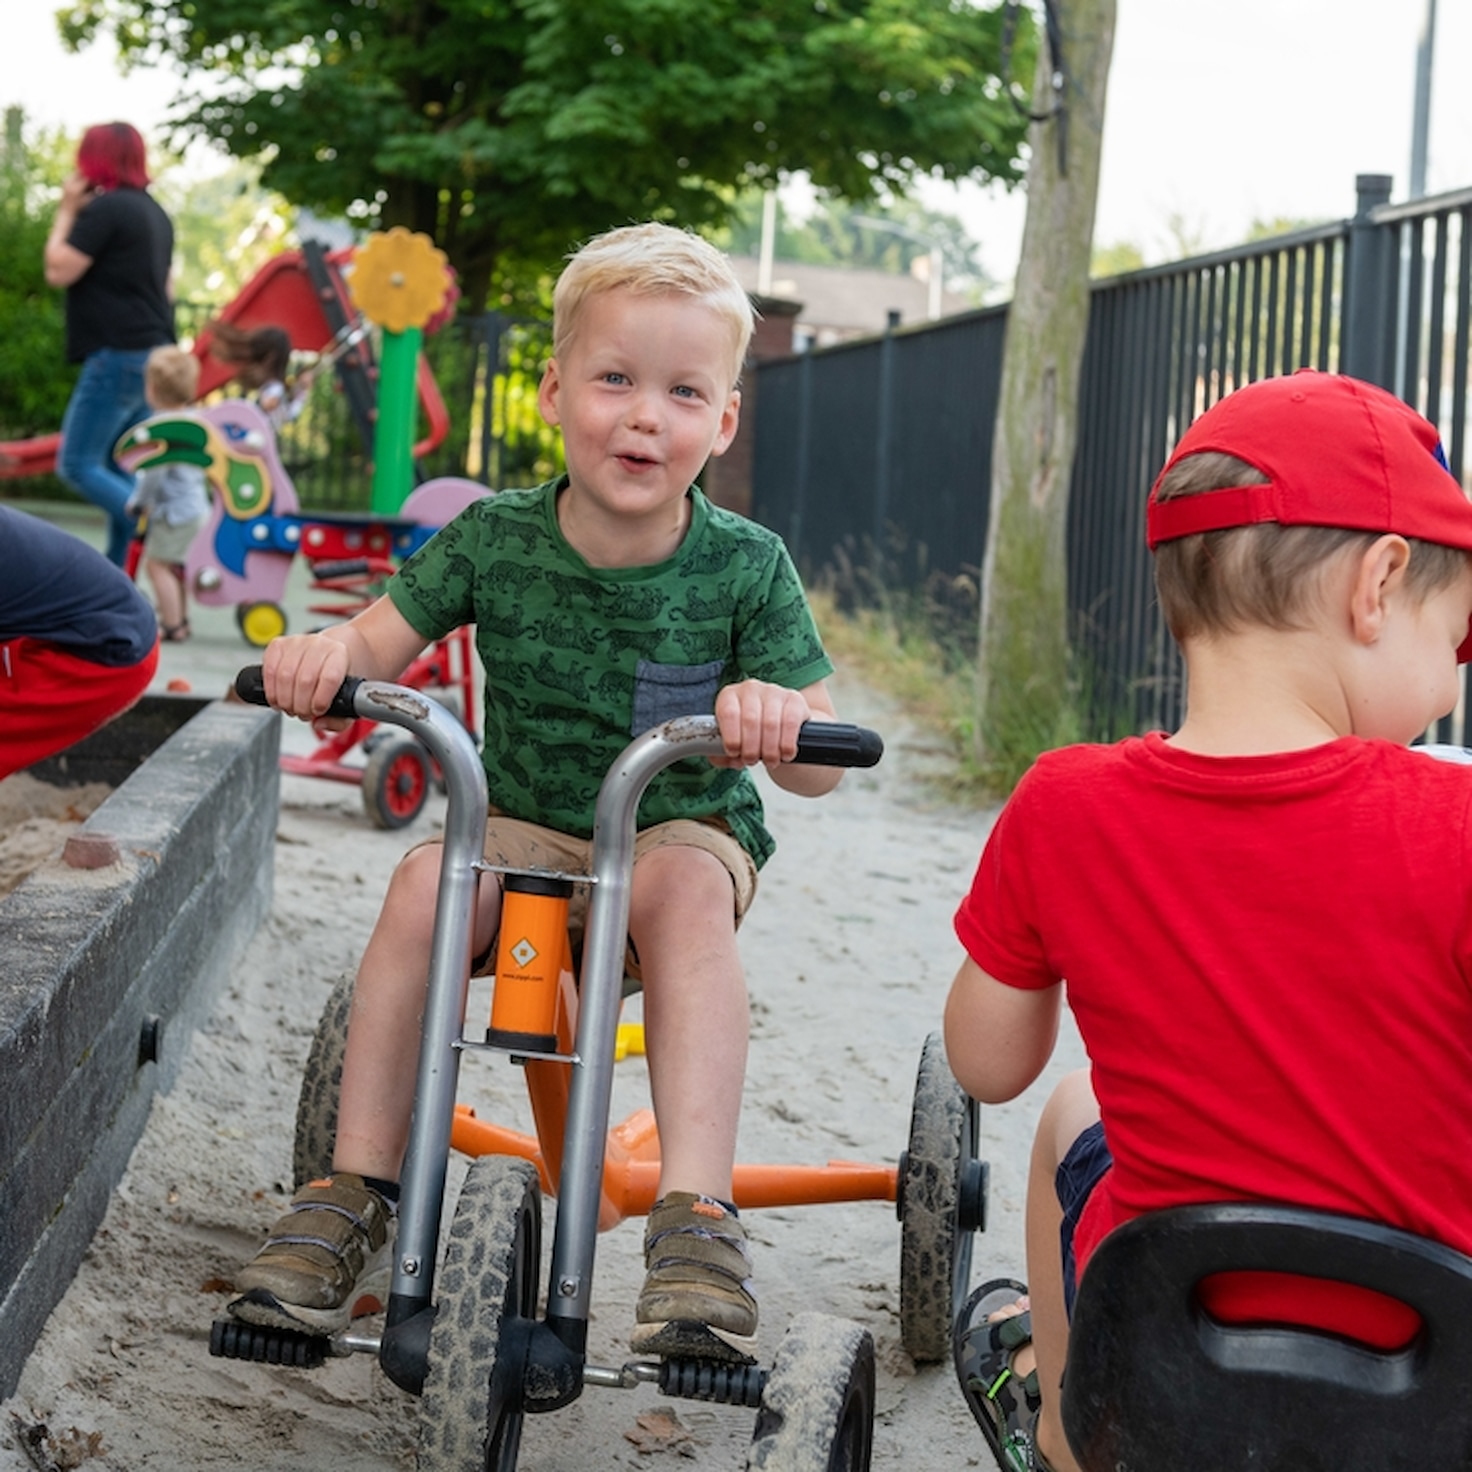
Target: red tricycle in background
{"x": 399, "y": 770}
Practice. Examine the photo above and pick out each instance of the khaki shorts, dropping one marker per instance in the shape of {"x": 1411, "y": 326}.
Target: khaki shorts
{"x": 518, "y": 844}
{"x": 167, "y": 543}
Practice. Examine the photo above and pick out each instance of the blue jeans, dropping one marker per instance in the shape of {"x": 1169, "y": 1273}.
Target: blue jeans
{"x": 107, "y": 400}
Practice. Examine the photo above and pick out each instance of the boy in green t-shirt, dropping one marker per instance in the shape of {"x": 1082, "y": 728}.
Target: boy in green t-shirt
{"x": 604, "y": 602}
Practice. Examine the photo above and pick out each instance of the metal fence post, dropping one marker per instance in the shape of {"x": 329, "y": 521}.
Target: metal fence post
{"x": 883, "y": 426}
{"x": 1368, "y": 347}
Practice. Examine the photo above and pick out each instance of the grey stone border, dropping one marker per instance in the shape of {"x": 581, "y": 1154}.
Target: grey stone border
{"x": 105, "y": 973}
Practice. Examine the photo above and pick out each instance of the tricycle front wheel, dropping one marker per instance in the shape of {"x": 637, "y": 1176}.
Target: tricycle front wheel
{"x": 817, "y": 1410}
{"x": 471, "y": 1413}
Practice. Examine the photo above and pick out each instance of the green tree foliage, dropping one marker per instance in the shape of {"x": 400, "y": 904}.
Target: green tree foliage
{"x": 35, "y": 379}
{"x": 226, "y": 226}
{"x": 1118, "y": 259}
{"x": 1279, "y": 225}
{"x": 510, "y": 129}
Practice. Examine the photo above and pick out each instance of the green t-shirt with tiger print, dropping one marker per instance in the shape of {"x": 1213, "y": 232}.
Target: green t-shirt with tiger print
{"x": 581, "y": 659}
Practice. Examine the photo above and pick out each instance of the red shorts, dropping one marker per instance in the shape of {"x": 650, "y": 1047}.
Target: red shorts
{"x": 50, "y": 698}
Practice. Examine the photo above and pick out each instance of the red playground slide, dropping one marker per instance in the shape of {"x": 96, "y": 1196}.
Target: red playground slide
{"x": 303, "y": 292}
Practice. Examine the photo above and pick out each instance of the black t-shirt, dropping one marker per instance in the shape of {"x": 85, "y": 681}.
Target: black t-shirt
{"x": 122, "y": 301}
{"x": 56, "y": 588}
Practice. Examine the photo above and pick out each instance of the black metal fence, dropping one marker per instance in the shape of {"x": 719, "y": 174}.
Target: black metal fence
{"x": 878, "y": 453}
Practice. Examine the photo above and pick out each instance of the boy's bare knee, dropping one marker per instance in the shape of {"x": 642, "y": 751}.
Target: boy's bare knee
{"x": 414, "y": 887}
{"x": 681, "y": 880}
{"x": 419, "y": 867}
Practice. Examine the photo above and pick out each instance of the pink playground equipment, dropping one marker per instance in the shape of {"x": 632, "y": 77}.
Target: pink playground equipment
{"x": 243, "y": 556}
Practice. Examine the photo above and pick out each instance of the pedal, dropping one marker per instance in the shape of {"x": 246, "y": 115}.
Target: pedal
{"x": 713, "y": 1380}
{"x": 230, "y": 1339}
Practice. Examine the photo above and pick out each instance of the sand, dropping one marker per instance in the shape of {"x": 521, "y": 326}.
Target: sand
{"x": 35, "y": 819}
{"x": 849, "y": 952}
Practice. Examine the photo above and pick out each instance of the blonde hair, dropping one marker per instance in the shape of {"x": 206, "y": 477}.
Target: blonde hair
{"x": 171, "y": 377}
{"x": 1267, "y": 574}
{"x": 653, "y": 260}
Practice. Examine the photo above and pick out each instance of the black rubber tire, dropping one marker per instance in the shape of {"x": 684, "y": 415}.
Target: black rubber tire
{"x": 935, "y": 1250}
{"x": 470, "y": 1416}
{"x": 817, "y": 1411}
{"x": 316, "y": 1105}
{"x": 396, "y": 781}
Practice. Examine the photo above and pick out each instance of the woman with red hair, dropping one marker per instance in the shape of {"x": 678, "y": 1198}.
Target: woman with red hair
{"x": 111, "y": 246}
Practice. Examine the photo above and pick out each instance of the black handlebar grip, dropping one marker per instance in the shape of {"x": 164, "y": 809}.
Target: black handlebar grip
{"x": 250, "y": 686}
{"x": 837, "y": 744}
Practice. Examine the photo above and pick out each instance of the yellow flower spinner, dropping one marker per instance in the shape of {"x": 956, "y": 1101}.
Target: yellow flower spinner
{"x": 399, "y": 279}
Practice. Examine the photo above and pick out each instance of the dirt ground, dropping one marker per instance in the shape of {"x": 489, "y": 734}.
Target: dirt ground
{"x": 849, "y": 952}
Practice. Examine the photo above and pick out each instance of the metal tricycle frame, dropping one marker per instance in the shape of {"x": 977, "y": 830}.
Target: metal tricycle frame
{"x": 599, "y": 1175}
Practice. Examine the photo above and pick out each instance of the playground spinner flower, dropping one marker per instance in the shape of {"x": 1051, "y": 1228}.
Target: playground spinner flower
{"x": 399, "y": 279}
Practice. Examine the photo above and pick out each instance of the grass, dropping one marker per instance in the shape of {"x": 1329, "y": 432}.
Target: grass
{"x": 896, "y": 647}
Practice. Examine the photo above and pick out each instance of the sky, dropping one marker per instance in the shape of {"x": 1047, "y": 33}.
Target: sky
{"x": 1219, "y": 113}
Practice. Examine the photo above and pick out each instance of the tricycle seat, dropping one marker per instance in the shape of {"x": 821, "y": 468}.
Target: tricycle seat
{"x": 1156, "y": 1384}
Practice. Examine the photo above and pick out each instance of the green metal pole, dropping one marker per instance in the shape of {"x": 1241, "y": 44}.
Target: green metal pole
{"x": 393, "y": 434}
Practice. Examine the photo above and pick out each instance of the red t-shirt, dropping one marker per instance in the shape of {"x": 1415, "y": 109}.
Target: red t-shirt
{"x": 1268, "y": 959}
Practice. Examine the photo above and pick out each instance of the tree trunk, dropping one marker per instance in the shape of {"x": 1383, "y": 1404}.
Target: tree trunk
{"x": 1025, "y": 685}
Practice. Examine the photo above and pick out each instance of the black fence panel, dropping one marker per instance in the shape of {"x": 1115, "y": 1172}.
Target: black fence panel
{"x": 1432, "y": 247}
{"x": 935, "y": 505}
{"x": 1164, "y": 345}
{"x": 822, "y": 451}
{"x": 878, "y": 453}
{"x": 873, "y": 459}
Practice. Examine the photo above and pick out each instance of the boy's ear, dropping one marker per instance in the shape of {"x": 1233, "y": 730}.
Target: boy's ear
{"x": 547, "y": 392}
{"x": 730, "y": 421}
{"x": 1379, "y": 571}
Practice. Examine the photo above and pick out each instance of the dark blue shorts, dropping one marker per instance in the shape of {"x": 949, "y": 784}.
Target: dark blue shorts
{"x": 1078, "y": 1173}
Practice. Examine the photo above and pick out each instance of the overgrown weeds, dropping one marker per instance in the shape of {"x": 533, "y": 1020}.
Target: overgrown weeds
{"x": 917, "y": 644}
{"x": 914, "y": 635}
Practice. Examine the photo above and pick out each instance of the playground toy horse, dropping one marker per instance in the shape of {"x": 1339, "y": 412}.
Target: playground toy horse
{"x": 256, "y": 527}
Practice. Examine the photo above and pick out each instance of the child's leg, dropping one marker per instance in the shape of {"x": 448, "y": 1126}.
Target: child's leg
{"x": 168, "y": 593}
{"x": 994, "y": 1364}
{"x": 697, "y": 1299}
{"x": 330, "y": 1256}
{"x": 683, "y": 927}
{"x": 1067, "y": 1114}
{"x": 380, "y": 1064}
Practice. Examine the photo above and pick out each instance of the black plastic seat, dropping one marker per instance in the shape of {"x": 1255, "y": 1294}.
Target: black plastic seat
{"x": 1155, "y": 1385}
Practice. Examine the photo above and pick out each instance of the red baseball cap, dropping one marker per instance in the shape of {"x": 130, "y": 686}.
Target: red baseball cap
{"x": 1335, "y": 452}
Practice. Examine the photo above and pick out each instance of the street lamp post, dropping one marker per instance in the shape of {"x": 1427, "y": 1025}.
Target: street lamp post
{"x": 1421, "y": 121}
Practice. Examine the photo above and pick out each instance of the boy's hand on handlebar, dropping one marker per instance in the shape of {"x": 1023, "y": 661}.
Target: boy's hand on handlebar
{"x": 303, "y": 673}
{"x": 760, "y": 722}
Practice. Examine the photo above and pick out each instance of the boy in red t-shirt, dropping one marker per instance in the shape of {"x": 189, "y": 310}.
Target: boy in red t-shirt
{"x": 1262, "y": 919}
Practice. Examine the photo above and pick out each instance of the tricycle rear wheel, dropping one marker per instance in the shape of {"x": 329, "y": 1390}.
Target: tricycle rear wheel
{"x": 935, "y": 1231}
{"x": 316, "y": 1105}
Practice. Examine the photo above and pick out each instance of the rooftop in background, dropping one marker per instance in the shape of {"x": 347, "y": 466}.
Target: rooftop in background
{"x": 840, "y": 302}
